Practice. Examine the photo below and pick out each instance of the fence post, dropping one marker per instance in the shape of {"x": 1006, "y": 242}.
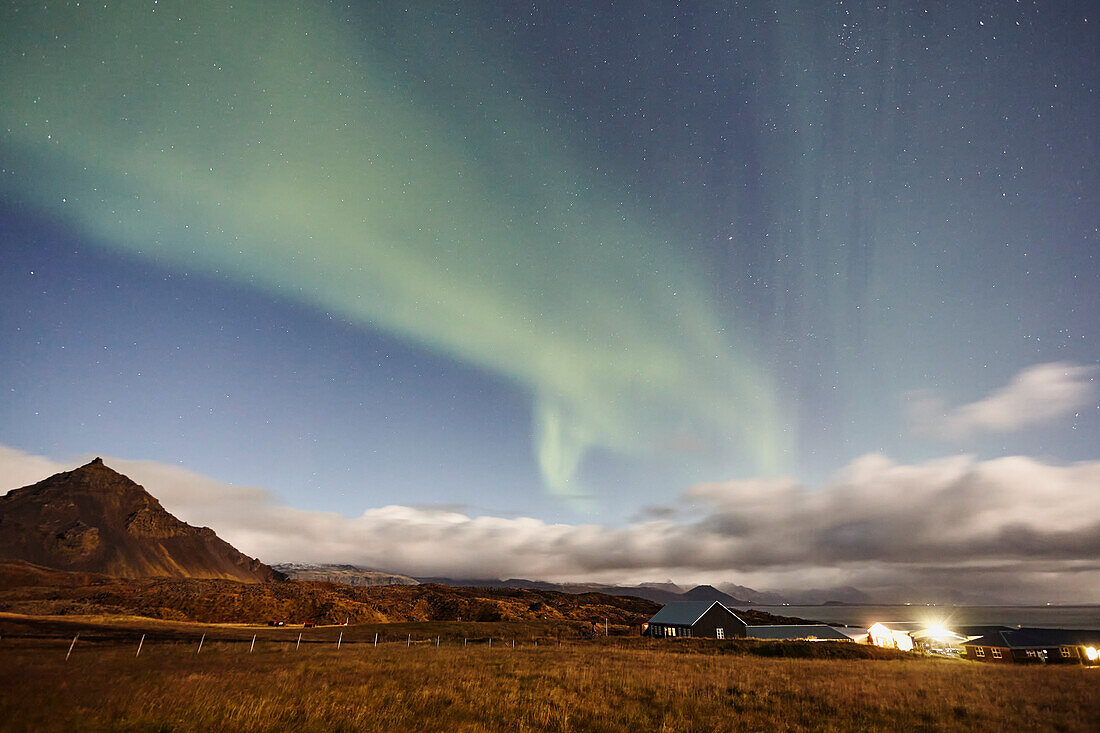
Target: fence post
{"x": 513, "y": 643}
{"x": 376, "y": 638}
{"x": 200, "y": 643}
{"x": 340, "y": 640}
{"x": 299, "y": 641}
{"x": 71, "y": 647}
{"x": 490, "y": 642}
{"x": 253, "y": 644}
{"x": 409, "y": 641}
{"x": 463, "y": 643}
{"x": 139, "y": 646}
{"x": 437, "y": 641}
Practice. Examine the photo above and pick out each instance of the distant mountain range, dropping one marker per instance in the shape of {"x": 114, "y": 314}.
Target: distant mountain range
{"x": 346, "y": 574}
{"x": 657, "y": 592}
{"x": 668, "y": 592}
{"x": 93, "y": 519}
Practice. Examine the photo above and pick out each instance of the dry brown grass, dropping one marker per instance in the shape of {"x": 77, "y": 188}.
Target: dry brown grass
{"x": 617, "y": 685}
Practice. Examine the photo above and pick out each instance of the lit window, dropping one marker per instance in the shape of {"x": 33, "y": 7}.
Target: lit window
{"x": 979, "y": 651}
{"x": 996, "y": 653}
{"x": 672, "y": 631}
{"x": 1066, "y": 652}
{"x": 720, "y": 633}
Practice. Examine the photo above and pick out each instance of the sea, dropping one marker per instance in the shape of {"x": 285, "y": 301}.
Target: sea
{"x": 1055, "y": 617}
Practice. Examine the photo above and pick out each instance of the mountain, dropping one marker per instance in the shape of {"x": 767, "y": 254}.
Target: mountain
{"x": 764, "y": 598}
{"x": 96, "y": 520}
{"x": 346, "y": 574}
{"x": 710, "y": 593}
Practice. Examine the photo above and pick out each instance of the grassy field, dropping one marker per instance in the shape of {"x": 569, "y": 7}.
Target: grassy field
{"x": 613, "y": 684}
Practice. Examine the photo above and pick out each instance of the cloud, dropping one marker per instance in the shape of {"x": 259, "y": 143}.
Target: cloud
{"x": 18, "y": 469}
{"x": 1012, "y": 529}
{"x": 1038, "y": 394}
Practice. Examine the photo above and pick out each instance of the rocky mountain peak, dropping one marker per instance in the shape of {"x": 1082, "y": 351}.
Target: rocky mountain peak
{"x": 95, "y": 519}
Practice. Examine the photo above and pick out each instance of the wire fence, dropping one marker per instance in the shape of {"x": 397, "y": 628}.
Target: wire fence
{"x": 250, "y": 641}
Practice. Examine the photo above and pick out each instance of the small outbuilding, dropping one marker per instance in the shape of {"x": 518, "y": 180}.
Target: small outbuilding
{"x": 705, "y": 619}
{"x": 803, "y": 632}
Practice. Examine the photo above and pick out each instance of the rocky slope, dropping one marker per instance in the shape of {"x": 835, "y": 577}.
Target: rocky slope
{"x": 94, "y": 519}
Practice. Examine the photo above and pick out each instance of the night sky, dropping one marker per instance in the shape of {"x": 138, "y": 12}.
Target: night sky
{"x": 791, "y": 294}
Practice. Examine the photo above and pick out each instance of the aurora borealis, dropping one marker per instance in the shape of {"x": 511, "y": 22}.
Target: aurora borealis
{"x": 351, "y": 198}
{"x": 552, "y": 260}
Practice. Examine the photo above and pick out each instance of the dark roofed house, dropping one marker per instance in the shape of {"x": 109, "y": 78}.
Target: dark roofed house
{"x": 807, "y": 632}
{"x": 705, "y": 619}
{"x": 1021, "y": 646}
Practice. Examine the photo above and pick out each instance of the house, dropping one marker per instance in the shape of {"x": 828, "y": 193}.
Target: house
{"x": 705, "y": 619}
{"x": 805, "y": 632}
{"x": 1032, "y": 645}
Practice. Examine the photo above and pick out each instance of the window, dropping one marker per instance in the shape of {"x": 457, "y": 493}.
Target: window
{"x": 672, "y": 631}
{"x": 1066, "y": 652}
{"x": 996, "y": 653}
{"x": 719, "y": 633}
{"x": 979, "y": 651}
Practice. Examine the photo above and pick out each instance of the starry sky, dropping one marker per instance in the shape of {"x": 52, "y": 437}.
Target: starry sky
{"x": 565, "y": 269}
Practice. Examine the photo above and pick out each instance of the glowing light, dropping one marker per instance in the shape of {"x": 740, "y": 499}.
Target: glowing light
{"x": 936, "y": 632}
{"x": 1091, "y": 653}
{"x": 881, "y": 635}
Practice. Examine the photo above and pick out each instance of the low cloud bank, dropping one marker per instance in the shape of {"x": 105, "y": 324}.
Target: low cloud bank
{"x": 1038, "y": 394}
{"x": 1009, "y": 529}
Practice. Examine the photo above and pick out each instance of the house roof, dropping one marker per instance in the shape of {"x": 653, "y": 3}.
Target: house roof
{"x": 804, "y": 631}
{"x": 1034, "y": 638}
{"x": 686, "y": 613}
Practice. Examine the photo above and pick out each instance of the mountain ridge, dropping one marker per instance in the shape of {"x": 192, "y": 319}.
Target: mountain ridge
{"x": 94, "y": 519}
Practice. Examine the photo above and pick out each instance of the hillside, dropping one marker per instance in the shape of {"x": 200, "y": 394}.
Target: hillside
{"x": 347, "y": 574}
{"x": 29, "y": 589}
{"x": 94, "y": 519}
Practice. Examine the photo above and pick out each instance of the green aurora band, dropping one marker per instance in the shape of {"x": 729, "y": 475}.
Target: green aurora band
{"x": 271, "y": 143}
